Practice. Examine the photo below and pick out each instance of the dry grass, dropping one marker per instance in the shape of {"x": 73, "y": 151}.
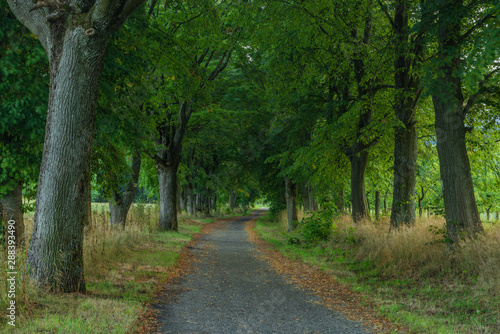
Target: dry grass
{"x": 419, "y": 251}
{"x": 121, "y": 267}
{"x": 412, "y": 273}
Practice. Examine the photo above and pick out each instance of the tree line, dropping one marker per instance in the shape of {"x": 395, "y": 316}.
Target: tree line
{"x": 323, "y": 103}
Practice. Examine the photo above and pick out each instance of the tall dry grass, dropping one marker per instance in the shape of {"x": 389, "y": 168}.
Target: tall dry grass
{"x": 419, "y": 250}
{"x": 102, "y": 243}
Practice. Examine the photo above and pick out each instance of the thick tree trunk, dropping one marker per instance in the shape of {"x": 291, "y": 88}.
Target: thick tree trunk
{"x": 405, "y": 145}
{"x": 462, "y": 215}
{"x": 377, "y": 204}
{"x": 291, "y": 203}
{"x": 11, "y": 210}
{"x": 120, "y": 205}
{"x": 55, "y": 254}
{"x": 74, "y": 37}
{"x": 167, "y": 180}
{"x": 496, "y": 216}
{"x": 358, "y": 195}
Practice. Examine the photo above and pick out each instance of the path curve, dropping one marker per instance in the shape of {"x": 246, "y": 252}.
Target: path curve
{"x": 231, "y": 290}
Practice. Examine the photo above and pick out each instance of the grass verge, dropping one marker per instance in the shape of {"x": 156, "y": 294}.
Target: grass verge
{"x": 410, "y": 276}
{"x": 123, "y": 268}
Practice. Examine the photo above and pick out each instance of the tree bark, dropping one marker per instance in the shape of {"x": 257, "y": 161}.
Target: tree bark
{"x": 291, "y": 203}
{"x": 232, "y": 199}
{"x": 377, "y": 204}
{"x": 167, "y": 158}
{"x": 74, "y": 37}
{"x": 183, "y": 196}
{"x": 358, "y": 195}
{"x": 120, "y": 204}
{"x": 462, "y": 215}
{"x": 11, "y": 210}
{"x": 55, "y": 254}
{"x": 167, "y": 178}
{"x": 407, "y": 96}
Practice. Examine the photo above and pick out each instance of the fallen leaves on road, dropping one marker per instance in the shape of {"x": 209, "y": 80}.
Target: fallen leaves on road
{"x": 332, "y": 294}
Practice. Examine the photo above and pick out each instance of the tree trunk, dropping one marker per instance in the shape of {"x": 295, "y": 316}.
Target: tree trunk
{"x": 305, "y": 196}
{"x": 183, "y": 198}
{"x": 339, "y": 201}
{"x": 488, "y": 214}
{"x": 120, "y": 205}
{"x": 291, "y": 203}
{"x": 405, "y": 144}
{"x": 496, "y": 216}
{"x": 462, "y": 215}
{"x": 358, "y": 195}
{"x": 232, "y": 199}
{"x": 55, "y": 255}
{"x": 377, "y": 204}
{"x": 420, "y": 210}
{"x": 190, "y": 200}
{"x": 167, "y": 180}
{"x": 368, "y": 203}
{"x": 385, "y": 201}
{"x": 11, "y": 210}
{"x": 75, "y": 44}
{"x": 179, "y": 195}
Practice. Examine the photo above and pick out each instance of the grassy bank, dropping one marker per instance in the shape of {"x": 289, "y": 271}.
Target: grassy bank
{"x": 411, "y": 275}
{"x": 122, "y": 270}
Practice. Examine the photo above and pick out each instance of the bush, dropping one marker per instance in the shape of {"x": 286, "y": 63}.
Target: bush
{"x": 318, "y": 226}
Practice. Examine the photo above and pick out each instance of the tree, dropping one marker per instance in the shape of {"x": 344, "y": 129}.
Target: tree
{"x": 22, "y": 112}
{"x": 451, "y": 107}
{"x": 408, "y": 52}
{"x": 74, "y": 37}
{"x": 184, "y": 84}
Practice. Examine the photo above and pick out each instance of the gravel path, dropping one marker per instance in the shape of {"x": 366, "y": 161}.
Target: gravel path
{"x": 231, "y": 291}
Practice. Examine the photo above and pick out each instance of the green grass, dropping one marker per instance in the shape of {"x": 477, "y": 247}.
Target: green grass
{"x": 426, "y": 304}
{"x": 123, "y": 269}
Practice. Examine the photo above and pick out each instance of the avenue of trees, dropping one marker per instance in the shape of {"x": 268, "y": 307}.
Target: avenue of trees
{"x": 363, "y": 108}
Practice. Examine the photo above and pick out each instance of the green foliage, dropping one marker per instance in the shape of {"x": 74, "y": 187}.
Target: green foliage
{"x": 318, "y": 226}
{"x": 23, "y": 92}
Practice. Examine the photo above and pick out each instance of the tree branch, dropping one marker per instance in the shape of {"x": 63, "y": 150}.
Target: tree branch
{"x": 472, "y": 99}
{"x": 34, "y": 21}
{"x": 477, "y": 25}
{"x": 384, "y": 9}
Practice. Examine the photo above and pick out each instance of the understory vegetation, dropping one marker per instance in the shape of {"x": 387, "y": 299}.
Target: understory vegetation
{"x": 411, "y": 274}
{"x": 123, "y": 268}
